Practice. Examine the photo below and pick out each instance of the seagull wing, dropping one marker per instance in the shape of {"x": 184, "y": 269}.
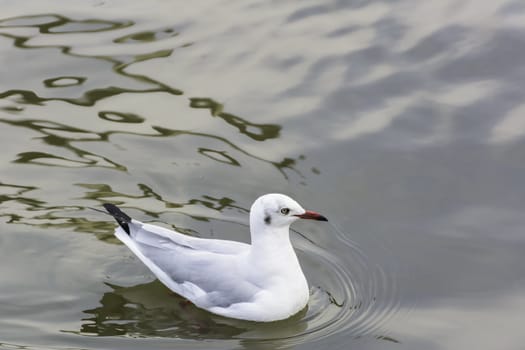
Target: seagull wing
{"x": 205, "y": 271}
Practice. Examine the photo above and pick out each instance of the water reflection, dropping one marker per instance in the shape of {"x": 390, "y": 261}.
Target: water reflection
{"x": 219, "y": 156}
{"x": 103, "y": 193}
{"x": 48, "y": 24}
{"x": 266, "y": 131}
{"x": 37, "y": 212}
{"x": 341, "y": 300}
{"x": 150, "y": 309}
{"x": 57, "y": 24}
{"x": 50, "y": 130}
{"x": 146, "y": 36}
{"x": 120, "y": 117}
{"x": 64, "y": 81}
{"x": 284, "y": 164}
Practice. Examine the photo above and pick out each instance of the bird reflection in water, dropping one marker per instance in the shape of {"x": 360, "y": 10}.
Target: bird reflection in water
{"x": 152, "y": 310}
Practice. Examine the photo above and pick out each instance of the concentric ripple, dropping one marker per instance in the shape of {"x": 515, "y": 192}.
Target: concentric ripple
{"x": 352, "y": 295}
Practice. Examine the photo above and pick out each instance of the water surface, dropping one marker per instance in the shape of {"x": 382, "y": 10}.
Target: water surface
{"x": 401, "y": 121}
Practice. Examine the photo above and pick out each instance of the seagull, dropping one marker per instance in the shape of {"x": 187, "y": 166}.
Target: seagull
{"x": 261, "y": 281}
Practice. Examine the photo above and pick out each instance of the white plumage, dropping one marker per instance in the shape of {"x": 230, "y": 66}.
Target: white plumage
{"x": 261, "y": 281}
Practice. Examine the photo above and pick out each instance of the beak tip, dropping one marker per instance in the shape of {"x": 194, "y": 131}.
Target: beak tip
{"x": 312, "y": 215}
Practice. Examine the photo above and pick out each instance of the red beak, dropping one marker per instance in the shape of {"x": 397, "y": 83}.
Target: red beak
{"x": 312, "y": 215}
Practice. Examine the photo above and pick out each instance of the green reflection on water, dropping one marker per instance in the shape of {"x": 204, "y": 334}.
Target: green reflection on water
{"x": 266, "y": 131}
{"x": 62, "y": 25}
{"x": 281, "y": 166}
{"x": 146, "y": 36}
{"x": 46, "y": 128}
{"x": 151, "y": 309}
{"x": 66, "y": 137}
{"x": 37, "y": 212}
{"x": 45, "y": 24}
{"x": 257, "y": 132}
{"x": 120, "y": 117}
{"x": 64, "y": 81}
{"x": 219, "y": 156}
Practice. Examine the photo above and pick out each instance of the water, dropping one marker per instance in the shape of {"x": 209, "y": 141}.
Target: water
{"x": 401, "y": 121}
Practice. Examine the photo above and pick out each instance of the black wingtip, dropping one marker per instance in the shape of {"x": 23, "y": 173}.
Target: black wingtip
{"x": 122, "y": 218}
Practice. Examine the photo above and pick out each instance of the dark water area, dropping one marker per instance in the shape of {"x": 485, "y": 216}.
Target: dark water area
{"x": 401, "y": 121}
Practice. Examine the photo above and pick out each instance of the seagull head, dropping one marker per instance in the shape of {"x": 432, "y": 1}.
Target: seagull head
{"x": 279, "y": 210}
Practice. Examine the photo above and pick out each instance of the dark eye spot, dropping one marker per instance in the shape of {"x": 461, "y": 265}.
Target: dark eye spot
{"x": 267, "y": 220}
{"x": 285, "y": 211}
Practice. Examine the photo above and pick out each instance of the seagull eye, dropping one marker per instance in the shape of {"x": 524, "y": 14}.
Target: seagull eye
{"x": 285, "y": 211}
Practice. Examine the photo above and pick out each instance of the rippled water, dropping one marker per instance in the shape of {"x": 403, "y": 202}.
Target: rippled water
{"x": 401, "y": 121}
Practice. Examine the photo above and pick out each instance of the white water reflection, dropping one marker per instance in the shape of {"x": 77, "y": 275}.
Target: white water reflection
{"x": 474, "y": 324}
{"x": 511, "y": 127}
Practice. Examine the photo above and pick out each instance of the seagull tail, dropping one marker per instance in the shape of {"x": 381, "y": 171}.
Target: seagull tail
{"x": 122, "y": 219}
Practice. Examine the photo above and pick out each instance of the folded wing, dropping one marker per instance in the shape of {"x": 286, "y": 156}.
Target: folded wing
{"x": 202, "y": 270}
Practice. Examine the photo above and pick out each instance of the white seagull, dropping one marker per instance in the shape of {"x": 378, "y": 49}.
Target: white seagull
{"x": 261, "y": 281}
